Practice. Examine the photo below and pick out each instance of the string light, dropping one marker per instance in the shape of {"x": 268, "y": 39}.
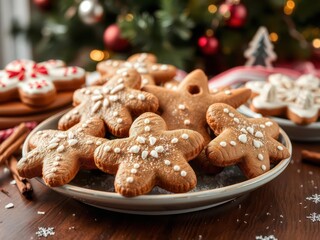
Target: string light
{"x": 129, "y": 17}
{"x": 289, "y": 7}
{"x": 316, "y": 43}
{"x": 212, "y": 8}
{"x": 209, "y": 32}
{"x": 273, "y": 37}
{"x": 97, "y": 55}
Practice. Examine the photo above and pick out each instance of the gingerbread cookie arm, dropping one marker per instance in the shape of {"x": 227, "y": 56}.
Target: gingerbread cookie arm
{"x": 93, "y": 127}
{"x": 277, "y": 151}
{"x": 186, "y": 142}
{"x": 118, "y": 122}
{"x": 143, "y": 57}
{"x": 109, "y": 67}
{"x": 40, "y": 138}
{"x": 182, "y": 173}
{"x": 71, "y": 118}
{"x": 160, "y": 92}
{"x": 220, "y": 150}
{"x": 31, "y": 165}
{"x": 138, "y": 102}
{"x": 251, "y": 167}
{"x": 143, "y": 181}
{"x": 234, "y": 97}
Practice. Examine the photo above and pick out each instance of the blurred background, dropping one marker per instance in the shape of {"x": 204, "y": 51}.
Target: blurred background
{"x": 211, "y": 35}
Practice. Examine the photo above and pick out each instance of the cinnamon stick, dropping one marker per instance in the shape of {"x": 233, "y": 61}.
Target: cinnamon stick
{"x": 13, "y": 143}
{"x": 23, "y": 185}
{"x": 310, "y": 156}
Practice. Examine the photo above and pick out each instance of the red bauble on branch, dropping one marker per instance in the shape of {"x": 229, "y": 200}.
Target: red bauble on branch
{"x": 235, "y": 13}
{"x": 208, "y": 45}
{"x": 113, "y": 40}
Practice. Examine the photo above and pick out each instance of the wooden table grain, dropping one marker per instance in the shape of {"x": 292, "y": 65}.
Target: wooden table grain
{"x": 279, "y": 209}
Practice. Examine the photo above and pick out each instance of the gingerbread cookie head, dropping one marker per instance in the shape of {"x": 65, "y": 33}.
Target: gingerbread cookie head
{"x": 116, "y": 103}
{"x": 57, "y": 156}
{"x": 36, "y": 83}
{"x": 151, "y": 156}
{"x": 144, "y": 63}
{"x": 249, "y": 143}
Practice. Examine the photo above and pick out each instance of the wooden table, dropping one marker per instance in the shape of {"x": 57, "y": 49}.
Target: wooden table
{"x": 279, "y": 208}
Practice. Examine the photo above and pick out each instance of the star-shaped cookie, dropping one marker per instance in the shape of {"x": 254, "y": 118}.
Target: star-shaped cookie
{"x": 145, "y": 63}
{"x": 151, "y": 156}
{"x": 115, "y": 102}
{"x": 248, "y": 142}
{"x": 186, "y": 106}
{"x": 57, "y": 155}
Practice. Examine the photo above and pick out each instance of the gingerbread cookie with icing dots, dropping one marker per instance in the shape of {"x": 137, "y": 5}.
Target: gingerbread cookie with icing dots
{"x": 36, "y": 84}
{"x": 151, "y": 156}
{"x": 57, "y": 156}
{"x": 249, "y": 143}
{"x": 298, "y": 100}
{"x": 145, "y": 63}
{"x": 186, "y": 106}
{"x": 116, "y": 102}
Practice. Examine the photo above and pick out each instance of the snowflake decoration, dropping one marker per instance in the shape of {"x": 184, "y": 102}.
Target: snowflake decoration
{"x": 45, "y": 232}
{"x": 314, "y": 217}
{"x": 270, "y": 237}
{"x": 314, "y": 198}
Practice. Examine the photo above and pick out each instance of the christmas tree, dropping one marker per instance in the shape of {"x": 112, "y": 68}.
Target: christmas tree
{"x": 208, "y": 34}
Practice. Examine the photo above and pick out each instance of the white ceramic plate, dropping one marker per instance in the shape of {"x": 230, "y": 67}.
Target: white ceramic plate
{"x": 96, "y": 188}
{"x": 305, "y": 133}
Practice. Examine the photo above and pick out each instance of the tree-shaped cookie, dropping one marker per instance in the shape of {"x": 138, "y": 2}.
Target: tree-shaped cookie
{"x": 248, "y": 142}
{"x": 57, "y": 156}
{"x": 151, "y": 156}
{"x": 115, "y": 102}
{"x": 186, "y": 106}
{"x": 145, "y": 63}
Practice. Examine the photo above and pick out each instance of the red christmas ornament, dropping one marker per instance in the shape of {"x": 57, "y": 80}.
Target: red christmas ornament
{"x": 234, "y": 14}
{"x": 43, "y": 5}
{"x": 208, "y": 45}
{"x": 113, "y": 40}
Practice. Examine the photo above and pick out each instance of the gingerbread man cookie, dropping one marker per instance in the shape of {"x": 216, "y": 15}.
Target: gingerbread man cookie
{"x": 186, "y": 106}
{"x": 151, "y": 156}
{"x": 57, "y": 156}
{"x": 36, "y": 84}
{"x": 249, "y": 143}
{"x": 145, "y": 63}
{"x": 115, "y": 102}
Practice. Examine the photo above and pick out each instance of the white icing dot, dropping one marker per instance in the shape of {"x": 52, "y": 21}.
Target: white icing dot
{"x": 57, "y": 158}
{"x": 54, "y": 140}
{"x": 96, "y": 92}
{"x": 70, "y": 135}
{"x": 113, "y": 98}
{"x": 96, "y": 97}
{"x": 263, "y": 167}
{"x": 228, "y": 92}
{"x": 133, "y": 170}
{"x": 176, "y": 168}
{"x": 167, "y": 162}
{"x": 56, "y": 164}
{"x": 243, "y": 130}
{"x": 144, "y": 154}
{"x": 136, "y": 165}
{"x": 182, "y": 107}
{"x": 164, "y": 67}
{"x": 106, "y": 90}
{"x": 129, "y": 179}
{"x": 147, "y": 121}
{"x": 84, "y": 125}
{"x": 233, "y": 143}
{"x": 54, "y": 170}
{"x": 98, "y": 143}
{"x": 87, "y": 92}
{"x": 89, "y": 142}
{"x": 60, "y": 148}
{"x": 107, "y": 148}
{"x": 72, "y": 142}
{"x": 186, "y": 122}
{"x": 147, "y": 128}
{"x": 257, "y": 143}
{"x": 223, "y": 144}
{"x": 258, "y": 134}
{"x": 39, "y": 133}
{"x": 115, "y": 114}
{"x": 174, "y": 140}
{"x": 117, "y": 88}
{"x": 141, "y": 97}
{"x": 185, "y": 136}
{"x": 159, "y": 149}
{"x": 262, "y": 126}
{"x": 53, "y": 145}
{"x": 268, "y": 124}
{"x": 154, "y": 154}
{"x": 250, "y": 130}
{"x": 105, "y": 102}
{"x": 226, "y": 110}
{"x": 131, "y": 96}
{"x": 183, "y": 173}
{"x": 141, "y": 139}
{"x": 96, "y": 107}
{"x": 231, "y": 114}
{"x": 117, "y": 150}
{"x": 68, "y": 117}
{"x": 236, "y": 120}
{"x": 119, "y": 120}
{"x": 243, "y": 138}
{"x": 260, "y": 156}
{"x": 152, "y": 140}
{"x": 280, "y": 148}
{"x": 134, "y": 149}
